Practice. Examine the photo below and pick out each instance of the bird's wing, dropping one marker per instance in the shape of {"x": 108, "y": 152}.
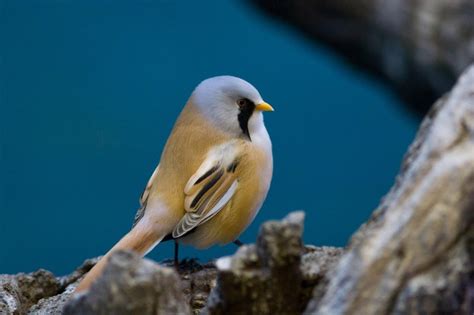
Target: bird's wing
{"x": 209, "y": 190}
{"x": 144, "y": 197}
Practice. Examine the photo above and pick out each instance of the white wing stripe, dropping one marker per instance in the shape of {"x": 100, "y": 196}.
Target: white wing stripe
{"x": 222, "y": 202}
{"x": 192, "y": 220}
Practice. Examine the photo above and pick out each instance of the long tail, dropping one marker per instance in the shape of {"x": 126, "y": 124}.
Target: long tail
{"x": 141, "y": 239}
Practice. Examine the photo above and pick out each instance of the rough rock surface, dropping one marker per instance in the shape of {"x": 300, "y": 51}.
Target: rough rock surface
{"x": 415, "y": 255}
{"x": 271, "y": 277}
{"x": 53, "y": 305}
{"x": 420, "y": 47}
{"x": 131, "y": 285}
{"x": 316, "y": 266}
{"x": 18, "y": 293}
{"x": 197, "y": 280}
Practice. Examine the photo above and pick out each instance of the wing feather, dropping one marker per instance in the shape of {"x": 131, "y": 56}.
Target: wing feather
{"x": 144, "y": 197}
{"x": 207, "y": 192}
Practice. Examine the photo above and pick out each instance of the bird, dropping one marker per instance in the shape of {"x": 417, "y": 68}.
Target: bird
{"x": 213, "y": 176}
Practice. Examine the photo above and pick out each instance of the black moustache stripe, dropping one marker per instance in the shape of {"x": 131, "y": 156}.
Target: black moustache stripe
{"x": 246, "y": 112}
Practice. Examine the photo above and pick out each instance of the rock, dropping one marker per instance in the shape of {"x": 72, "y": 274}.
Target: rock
{"x": 419, "y": 47}
{"x": 53, "y": 305}
{"x": 446, "y": 288}
{"x": 278, "y": 274}
{"x": 78, "y": 273}
{"x": 132, "y": 285}
{"x": 416, "y": 253}
{"x": 270, "y": 277}
{"x": 19, "y": 292}
{"x": 197, "y": 282}
{"x": 316, "y": 266}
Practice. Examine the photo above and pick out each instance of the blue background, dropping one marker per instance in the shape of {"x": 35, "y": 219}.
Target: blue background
{"x": 90, "y": 91}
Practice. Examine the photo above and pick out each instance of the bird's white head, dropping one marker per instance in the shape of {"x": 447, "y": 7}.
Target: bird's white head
{"x": 232, "y": 104}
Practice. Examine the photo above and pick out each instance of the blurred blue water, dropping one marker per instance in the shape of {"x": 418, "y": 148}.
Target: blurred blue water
{"x": 90, "y": 90}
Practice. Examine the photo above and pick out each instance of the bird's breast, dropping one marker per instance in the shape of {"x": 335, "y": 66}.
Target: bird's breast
{"x": 254, "y": 176}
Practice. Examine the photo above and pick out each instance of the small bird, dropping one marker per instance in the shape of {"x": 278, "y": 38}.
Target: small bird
{"x": 213, "y": 177}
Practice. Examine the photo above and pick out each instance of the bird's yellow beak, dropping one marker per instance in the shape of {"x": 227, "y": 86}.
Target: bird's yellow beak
{"x": 264, "y": 107}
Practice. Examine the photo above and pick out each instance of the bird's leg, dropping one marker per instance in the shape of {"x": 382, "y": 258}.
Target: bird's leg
{"x": 238, "y": 243}
{"x": 176, "y": 252}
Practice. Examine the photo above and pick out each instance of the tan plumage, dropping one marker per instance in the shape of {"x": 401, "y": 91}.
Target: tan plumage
{"x": 213, "y": 176}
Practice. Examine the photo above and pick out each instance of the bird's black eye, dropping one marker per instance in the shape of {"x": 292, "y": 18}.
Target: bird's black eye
{"x": 243, "y": 102}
